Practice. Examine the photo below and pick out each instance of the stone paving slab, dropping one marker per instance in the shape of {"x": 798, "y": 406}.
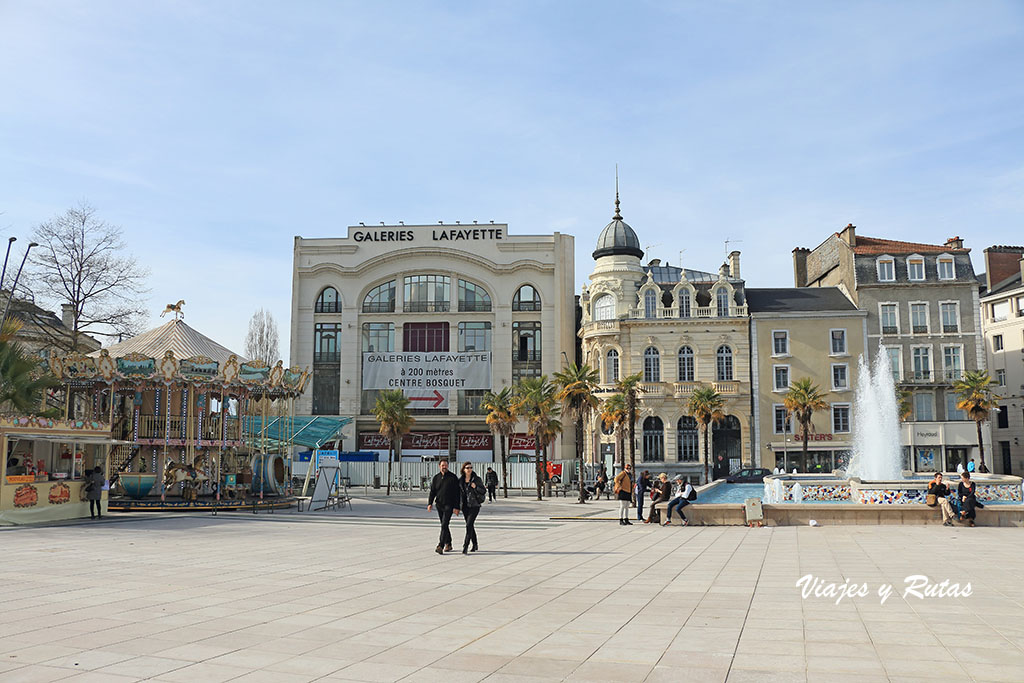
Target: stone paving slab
{"x": 359, "y": 595}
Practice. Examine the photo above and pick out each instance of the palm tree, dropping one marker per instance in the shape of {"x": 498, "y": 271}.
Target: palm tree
{"x": 705, "y": 405}
{"x": 803, "y": 399}
{"x": 536, "y": 403}
{"x": 903, "y": 404}
{"x": 392, "y": 411}
{"x": 23, "y": 382}
{"x": 614, "y": 414}
{"x": 630, "y": 387}
{"x": 977, "y": 399}
{"x": 576, "y": 386}
{"x": 501, "y": 417}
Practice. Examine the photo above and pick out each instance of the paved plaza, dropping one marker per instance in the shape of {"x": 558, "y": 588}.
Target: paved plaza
{"x": 360, "y": 595}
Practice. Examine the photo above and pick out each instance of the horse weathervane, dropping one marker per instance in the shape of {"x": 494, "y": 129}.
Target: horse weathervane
{"x": 175, "y": 309}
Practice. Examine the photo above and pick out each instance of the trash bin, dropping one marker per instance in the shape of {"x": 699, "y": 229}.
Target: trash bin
{"x": 547, "y": 489}
{"x": 376, "y": 481}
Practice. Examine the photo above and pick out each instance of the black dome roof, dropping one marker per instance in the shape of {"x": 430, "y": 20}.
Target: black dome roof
{"x": 618, "y": 238}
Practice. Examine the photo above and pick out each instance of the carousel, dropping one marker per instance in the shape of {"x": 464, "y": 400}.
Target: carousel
{"x": 190, "y": 419}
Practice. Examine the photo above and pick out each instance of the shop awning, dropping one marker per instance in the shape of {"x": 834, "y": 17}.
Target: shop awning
{"x": 311, "y": 431}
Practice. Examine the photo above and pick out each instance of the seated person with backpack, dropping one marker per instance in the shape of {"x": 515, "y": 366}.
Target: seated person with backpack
{"x": 684, "y": 495}
{"x": 938, "y": 495}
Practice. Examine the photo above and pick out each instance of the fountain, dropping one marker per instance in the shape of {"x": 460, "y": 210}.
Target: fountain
{"x": 877, "y": 452}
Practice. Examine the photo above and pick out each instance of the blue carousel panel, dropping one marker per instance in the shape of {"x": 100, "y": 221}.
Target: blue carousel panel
{"x": 248, "y": 372}
{"x": 194, "y": 368}
{"x": 136, "y": 368}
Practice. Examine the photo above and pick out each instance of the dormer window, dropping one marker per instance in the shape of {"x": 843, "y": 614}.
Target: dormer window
{"x": 946, "y": 269}
{"x": 722, "y": 299}
{"x": 886, "y": 269}
{"x": 650, "y": 304}
{"x": 915, "y": 268}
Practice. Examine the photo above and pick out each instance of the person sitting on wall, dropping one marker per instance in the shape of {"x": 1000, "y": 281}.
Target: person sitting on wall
{"x": 966, "y": 494}
{"x": 940, "y": 492}
{"x": 679, "y": 501}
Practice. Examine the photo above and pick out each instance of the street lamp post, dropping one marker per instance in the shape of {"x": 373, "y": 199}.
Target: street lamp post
{"x": 3, "y": 273}
{"x": 10, "y": 298}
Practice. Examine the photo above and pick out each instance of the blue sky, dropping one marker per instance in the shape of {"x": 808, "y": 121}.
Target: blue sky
{"x": 215, "y": 132}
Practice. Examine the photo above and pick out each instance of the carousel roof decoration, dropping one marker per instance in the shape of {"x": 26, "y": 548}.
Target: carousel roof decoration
{"x": 177, "y": 353}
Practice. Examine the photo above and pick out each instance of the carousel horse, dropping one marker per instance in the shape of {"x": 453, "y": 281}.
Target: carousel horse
{"x": 175, "y": 309}
{"x": 176, "y": 473}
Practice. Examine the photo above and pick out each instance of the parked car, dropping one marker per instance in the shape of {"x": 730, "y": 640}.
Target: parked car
{"x": 752, "y": 476}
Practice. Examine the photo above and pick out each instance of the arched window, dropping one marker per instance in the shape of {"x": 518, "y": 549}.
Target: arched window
{"x": 327, "y": 302}
{"x": 526, "y": 299}
{"x": 473, "y": 297}
{"x": 650, "y": 304}
{"x": 654, "y": 440}
{"x": 652, "y": 365}
{"x": 380, "y": 299}
{"x": 684, "y": 303}
{"x": 687, "y": 437}
{"x": 604, "y": 307}
{"x": 611, "y": 367}
{"x": 726, "y": 446}
{"x": 722, "y": 298}
{"x": 428, "y": 293}
{"x": 723, "y": 369}
{"x": 686, "y": 372}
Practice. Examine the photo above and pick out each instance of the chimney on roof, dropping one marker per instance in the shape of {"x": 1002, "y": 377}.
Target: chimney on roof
{"x": 955, "y": 242}
{"x": 67, "y": 316}
{"x": 800, "y": 255}
{"x": 734, "y": 264}
{"x": 1002, "y": 262}
{"x": 849, "y": 234}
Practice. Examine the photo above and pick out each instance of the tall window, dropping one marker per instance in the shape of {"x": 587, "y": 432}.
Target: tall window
{"x": 952, "y": 412}
{"x": 838, "y": 342}
{"x": 526, "y": 341}
{"x": 380, "y": 299}
{"x": 840, "y": 418}
{"x": 950, "y": 318}
{"x": 946, "y": 269}
{"x": 924, "y": 407}
{"x": 886, "y": 269}
{"x": 915, "y": 268}
{"x": 428, "y": 293}
{"x": 650, "y": 304}
{"x": 604, "y": 307}
{"x": 895, "y": 362}
{"x": 473, "y": 297}
{"x": 723, "y": 363}
{"x": 840, "y": 377}
{"x": 1002, "y": 418}
{"x": 783, "y": 421}
{"x": 1000, "y": 311}
{"x": 951, "y": 363}
{"x": 686, "y": 369}
{"x": 526, "y": 299}
{"x": 475, "y": 336}
{"x": 997, "y": 342}
{"x": 919, "y": 318}
{"x": 890, "y": 318}
{"x": 654, "y": 440}
{"x": 780, "y": 343}
{"x": 378, "y": 337}
{"x": 611, "y": 366}
{"x": 327, "y": 302}
{"x": 325, "y": 343}
{"x": 922, "y": 360}
{"x": 1000, "y": 377}
{"x": 652, "y": 365}
{"x": 687, "y": 439}
{"x": 781, "y": 377}
{"x": 684, "y": 303}
{"x": 722, "y": 300}
{"x": 425, "y": 337}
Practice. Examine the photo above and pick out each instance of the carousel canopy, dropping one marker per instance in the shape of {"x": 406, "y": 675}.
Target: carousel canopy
{"x": 174, "y": 336}
{"x": 312, "y": 431}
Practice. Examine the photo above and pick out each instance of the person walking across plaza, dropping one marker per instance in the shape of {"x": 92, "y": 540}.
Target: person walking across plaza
{"x": 661, "y": 491}
{"x": 446, "y": 492}
{"x": 473, "y": 495}
{"x": 941, "y": 492}
{"x": 94, "y": 492}
{"x": 623, "y": 489}
{"x": 491, "y": 480}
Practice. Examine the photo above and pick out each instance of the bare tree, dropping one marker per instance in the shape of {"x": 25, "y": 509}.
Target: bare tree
{"x": 262, "y": 339}
{"x": 81, "y": 262}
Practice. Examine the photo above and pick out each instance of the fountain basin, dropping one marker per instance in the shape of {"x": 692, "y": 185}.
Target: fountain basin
{"x": 835, "y": 488}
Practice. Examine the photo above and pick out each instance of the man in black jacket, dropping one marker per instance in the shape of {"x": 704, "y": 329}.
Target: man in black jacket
{"x": 445, "y": 491}
{"x": 491, "y": 481}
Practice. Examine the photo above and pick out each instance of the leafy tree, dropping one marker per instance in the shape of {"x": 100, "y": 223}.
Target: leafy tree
{"x": 977, "y": 399}
{"x": 631, "y": 387}
{"x": 23, "y": 382}
{"x": 705, "y": 405}
{"x": 576, "y": 386}
{"x": 903, "y": 405}
{"x": 502, "y": 419}
{"x": 392, "y": 412}
{"x": 803, "y": 399}
{"x": 536, "y": 403}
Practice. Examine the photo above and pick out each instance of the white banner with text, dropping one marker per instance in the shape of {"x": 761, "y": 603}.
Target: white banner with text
{"x": 427, "y": 370}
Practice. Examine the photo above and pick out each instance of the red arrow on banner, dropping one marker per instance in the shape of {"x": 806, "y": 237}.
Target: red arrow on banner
{"x": 437, "y": 398}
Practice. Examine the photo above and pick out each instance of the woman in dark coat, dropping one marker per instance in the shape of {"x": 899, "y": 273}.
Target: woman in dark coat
{"x": 965, "y": 492}
{"x": 664, "y": 489}
{"x": 473, "y": 496}
{"x": 94, "y": 492}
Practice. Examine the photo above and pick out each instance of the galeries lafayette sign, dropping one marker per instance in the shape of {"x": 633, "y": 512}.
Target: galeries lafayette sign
{"x": 427, "y": 370}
